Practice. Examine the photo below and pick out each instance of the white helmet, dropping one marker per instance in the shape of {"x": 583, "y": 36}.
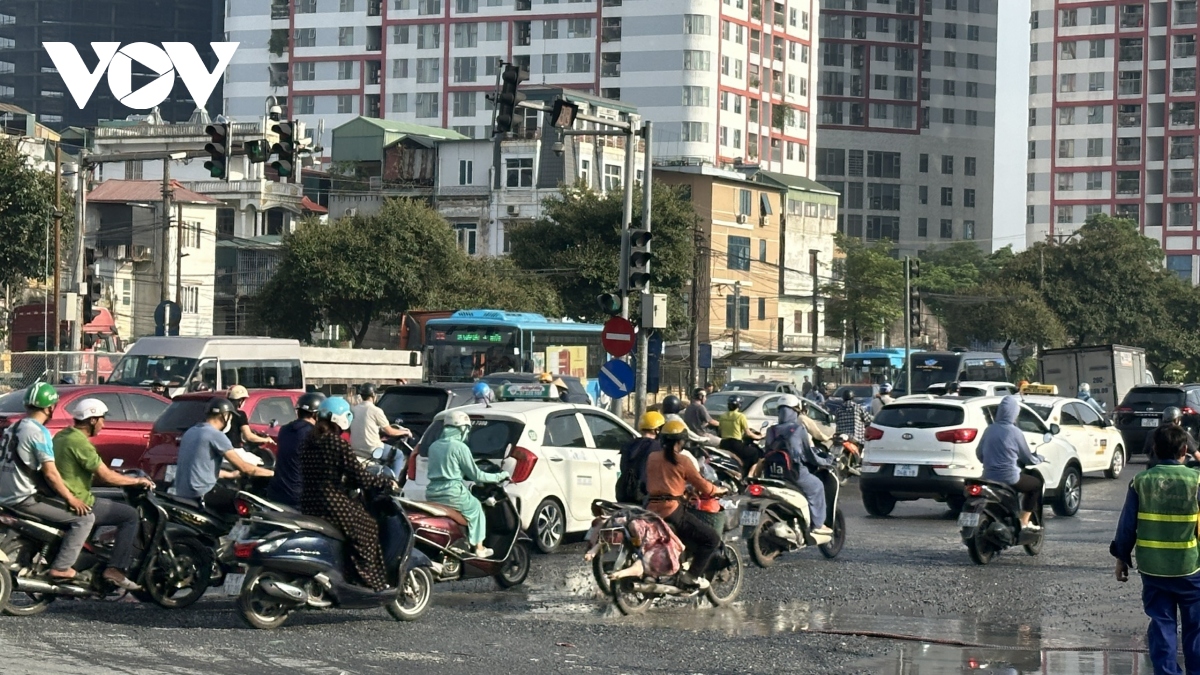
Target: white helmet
{"x": 237, "y": 392}
{"x": 789, "y": 401}
{"x": 89, "y": 408}
{"x": 1085, "y": 388}
{"x": 458, "y": 418}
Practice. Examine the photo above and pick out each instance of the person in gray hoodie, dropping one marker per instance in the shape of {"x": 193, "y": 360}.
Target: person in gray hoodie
{"x": 790, "y": 435}
{"x": 1004, "y": 451}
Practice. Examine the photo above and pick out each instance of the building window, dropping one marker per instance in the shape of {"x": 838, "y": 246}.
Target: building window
{"x": 427, "y": 105}
{"x": 969, "y": 198}
{"x": 463, "y": 103}
{"x": 948, "y": 165}
{"x": 428, "y": 71}
{"x": 762, "y": 309}
{"x": 465, "y": 234}
{"x": 345, "y": 104}
{"x": 694, "y": 132}
{"x": 465, "y": 68}
{"x": 739, "y": 253}
{"x": 745, "y": 203}
{"x": 922, "y": 227}
{"x": 579, "y": 63}
{"x": 968, "y": 229}
{"x": 947, "y": 231}
{"x": 612, "y": 177}
{"x": 519, "y": 172}
{"x": 346, "y": 36}
{"x": 743, "y": 313}
{"x": 345, "y": 70}
{"x": 762, "y": 250}
{"x": 1181, "y": 265}
{"x": 947, "y": 196}
{"x": 303, "y": 105}
{"x": 1095, "y": 180}
{"x": 429, "y": 36}
{"x": 694, "y": 59}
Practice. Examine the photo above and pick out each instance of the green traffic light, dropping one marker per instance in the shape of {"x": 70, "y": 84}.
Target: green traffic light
{"x": 609, "y": 303}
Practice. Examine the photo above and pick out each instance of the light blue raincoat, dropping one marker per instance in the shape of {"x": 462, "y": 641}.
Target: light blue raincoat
{"x": 451, "y": 464}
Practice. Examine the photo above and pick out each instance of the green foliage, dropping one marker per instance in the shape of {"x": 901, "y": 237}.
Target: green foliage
{"x": 1014, "y": 312}
{"x": 577, "y": 245}
{"x": 871, "y": 297}
{"x": 356, "y": 270}
{"x": 26, "y": 211}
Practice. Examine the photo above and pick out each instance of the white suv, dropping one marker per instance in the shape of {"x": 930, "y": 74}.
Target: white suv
{"x": 561, "y": 456}
{"x": 924, "y": 449}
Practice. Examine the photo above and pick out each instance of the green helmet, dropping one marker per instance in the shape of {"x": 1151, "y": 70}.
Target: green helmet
{"x": 40, "y": 395}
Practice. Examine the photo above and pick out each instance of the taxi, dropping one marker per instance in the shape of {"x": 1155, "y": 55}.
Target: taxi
{"x": 1096, "y": 440}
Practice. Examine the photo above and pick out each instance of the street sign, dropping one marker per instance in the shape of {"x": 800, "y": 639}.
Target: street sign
{"x": 652, "y": 366}
{"x": 616, "y": 378}
{"x": 618, "y": 336}
{"x": 705, "y": 355}
{"x": 166, "y": 318}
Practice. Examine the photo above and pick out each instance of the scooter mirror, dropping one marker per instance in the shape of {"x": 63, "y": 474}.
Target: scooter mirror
{"x": 1047, "y": 437}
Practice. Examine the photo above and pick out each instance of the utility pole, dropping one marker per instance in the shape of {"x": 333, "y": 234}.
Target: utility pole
{"x": 55, "y": 332}
{"x": 694, "y": 306}
{"x": 643, "y": 336}
{"x": 737, "y": 316}
{"x": 908, "y": 325}
{"x": 627, "y": 210}
{"x": 816, "y": 315}
{"x": 166, "y": 230}
{"x": 77, "y": 321}
{"x": 179, "y": 255}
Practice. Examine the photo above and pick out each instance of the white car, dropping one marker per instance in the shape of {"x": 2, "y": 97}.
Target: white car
{"x": 561, "y": 456}
{"x": 761, "y": 409}
{"x": 925, "y": 449}
{"x": 970, "y": 389}
{"x": 1096, "y": 440}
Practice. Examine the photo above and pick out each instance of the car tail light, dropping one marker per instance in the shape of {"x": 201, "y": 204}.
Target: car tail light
{"x": 526, "y": 460}
{"x": 412, "y": 466}
{"x": 1189, "y": 411}
{"x": 956, "y": 435}
{"x": 242, "y": 507}
{"x": 1124, "y": 408}
{"x": 874, "y": 434}
{"x": 244, "y": 549}
{"x": 973, "y": 490}
{"x": 755, "y": 490}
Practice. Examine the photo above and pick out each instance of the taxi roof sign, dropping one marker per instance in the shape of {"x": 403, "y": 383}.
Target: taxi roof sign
{"x": 528, "y": 391}
{"x": 1037, "y": 389}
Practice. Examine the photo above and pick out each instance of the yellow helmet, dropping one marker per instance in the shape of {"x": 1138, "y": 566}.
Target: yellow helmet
{"x": 651, "y": 420}
{"x": 546, "y": 378}
{"x": 674, "y": 429}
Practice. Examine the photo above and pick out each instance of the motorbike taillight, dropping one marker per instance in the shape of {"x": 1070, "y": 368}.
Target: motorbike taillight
{"x": 244, "y": 549}
{"x": 973, "y": 490}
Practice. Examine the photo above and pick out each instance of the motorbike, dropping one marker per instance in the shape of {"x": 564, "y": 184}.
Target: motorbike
{"x": 441, "y": 533}
{"x": 848, "y": 457}
{"x": 633, "y": 587}
{"x": 776, "y": 519}
{"x": 171, "y": 562}
{"x": 296, "y": 562}
{"x": 990, "y": 520}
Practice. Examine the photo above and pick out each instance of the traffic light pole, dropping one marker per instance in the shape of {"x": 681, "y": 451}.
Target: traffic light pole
{"x": 643, "y": 336}
{"x": 908, "y": 328}
{"x": 627, "y": 211}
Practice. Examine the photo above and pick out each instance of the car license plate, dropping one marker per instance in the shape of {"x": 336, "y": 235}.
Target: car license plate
{"x": 968, "y": 520}
{"x": 1150, "y": 422}
{"x": 233, "y": 583}
{"x": 905, "y": 470}
{"x": 750, "y": 518}
{"x": 169, "y": 476}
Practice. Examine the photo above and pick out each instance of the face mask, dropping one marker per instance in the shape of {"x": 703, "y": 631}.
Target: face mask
{"x": 463, "y": 433}
{"x": 228, "y": 424}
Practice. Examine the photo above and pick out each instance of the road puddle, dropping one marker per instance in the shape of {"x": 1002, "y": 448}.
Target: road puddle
{"x": 931, "y": 659}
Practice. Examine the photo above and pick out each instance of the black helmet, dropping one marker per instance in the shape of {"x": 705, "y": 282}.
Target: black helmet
{"x": 847, "y": 394}
{"x": 366, "y": 390}
{"x": 310, "y": 402}
{"x": 671, "y": 405}
{"x": 699, "y": 392}
{"x": 219, "y": 406}
{"x": 735, "y": 402}
{"x": 1172, "y": 414}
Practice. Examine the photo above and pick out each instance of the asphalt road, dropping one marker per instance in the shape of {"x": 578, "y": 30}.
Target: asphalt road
{"x": 908, "y": 574}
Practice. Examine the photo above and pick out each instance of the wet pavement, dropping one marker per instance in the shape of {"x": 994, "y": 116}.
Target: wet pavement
{"x": 902, "y": 598}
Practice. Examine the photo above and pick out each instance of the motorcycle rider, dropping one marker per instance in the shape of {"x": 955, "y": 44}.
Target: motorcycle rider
{"x": 201, "y": 451}
{"x": 1004, "y": 451}
{"x": 1171, "y": 417}
{"x": 482, "y": 393}
{"x": 370, "y": 424}
{"x": 698, "y": 419}
{"x": 451, "y": 464}
{"x": 78, "y": 463}
{"x": 884, "y": 397}
{"x": 815, "y": 395}
{"x": 667, "y": 477}
{"x": 671, "y": 405}
{"x": 286, "y": 484}
{"x": 240, "y": 432}
{"x": 789, "y": 434}
{"x": 852, "y": 418}
{"x": 631, "y": 482}
{"x": 735, "y": 429}
{"x": 30, "y": 483}
{"x": 159, "y": 387}
{"x": 1085, "y": 395}
{"x": 1159, "y": 521}
{"x": 815, "y": 431}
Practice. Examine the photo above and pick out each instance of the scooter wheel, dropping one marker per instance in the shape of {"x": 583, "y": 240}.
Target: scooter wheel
{"x": 763, "y": 550}
{"x": 628, "y": 600}
{"x": 413, "y": 598}
{"x": 981, "y": 550}
{"x": 257, "y": 608}
{"x": 835, "y": 545}
{"x": 514, "y": 570}
{"x": 21, "y": 553}
{"x": 179, "y": 584}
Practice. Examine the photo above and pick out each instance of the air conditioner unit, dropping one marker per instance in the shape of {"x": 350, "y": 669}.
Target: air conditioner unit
{"x": 514, "y": 210}
{"x": 741, "y": 218}
{"x": 763, "y": 221}
{"x": 120, "y": 252}
{"x": 142, "y": 253}
{"x": 352, "y": 211}
{"x": 375, "y": 182}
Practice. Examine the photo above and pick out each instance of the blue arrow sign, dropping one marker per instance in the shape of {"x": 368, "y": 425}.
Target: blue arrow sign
{"x": 616, "y": 378}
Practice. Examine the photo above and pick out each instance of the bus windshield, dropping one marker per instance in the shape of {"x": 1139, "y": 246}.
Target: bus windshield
{"x": 142, "y": 370}
{"x": 930, "y": 370}
{"x": 462, "y": 353}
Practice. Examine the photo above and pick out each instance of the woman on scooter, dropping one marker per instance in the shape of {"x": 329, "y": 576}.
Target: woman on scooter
{"x": 1004, "y": 451}
{"x": 668, "y": 475}
{"x": 330, "y": 470}
{"x": 451, "y": 465}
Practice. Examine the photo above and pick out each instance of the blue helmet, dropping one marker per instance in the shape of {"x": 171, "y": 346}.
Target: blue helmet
{"x": 337, "y": 410}
{"x": 481, "y": 390}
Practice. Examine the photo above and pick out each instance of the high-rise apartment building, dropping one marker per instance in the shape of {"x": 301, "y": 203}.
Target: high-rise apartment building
{"x": 29, "y": 79}
{"x": 724, "y": 82}
{"x": 907, "y": 119}
{"x": 1112, "y": 120}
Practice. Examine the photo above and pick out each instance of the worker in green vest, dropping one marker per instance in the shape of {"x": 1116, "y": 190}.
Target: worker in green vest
{"x": 1159, "y": 523}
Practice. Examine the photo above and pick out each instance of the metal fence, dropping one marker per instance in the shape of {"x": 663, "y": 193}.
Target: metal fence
{"x": 21, "y": 369}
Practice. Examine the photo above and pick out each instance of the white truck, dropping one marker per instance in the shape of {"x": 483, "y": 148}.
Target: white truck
{"x": 1110, "y": 370}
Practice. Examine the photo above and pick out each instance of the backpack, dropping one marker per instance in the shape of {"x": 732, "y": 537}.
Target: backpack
{"x": 631, "y": 484}
{"x": 777, "y": 458}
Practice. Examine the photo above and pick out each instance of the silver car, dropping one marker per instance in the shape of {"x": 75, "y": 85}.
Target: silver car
{"x": 762, "y": 408}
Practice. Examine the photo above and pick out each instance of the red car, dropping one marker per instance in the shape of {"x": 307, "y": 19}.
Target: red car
{"x": 131, "y": 416}
{"x": 267, "y": 410}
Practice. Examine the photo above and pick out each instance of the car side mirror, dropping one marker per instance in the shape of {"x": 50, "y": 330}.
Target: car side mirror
{"x": 1054, "y": 430}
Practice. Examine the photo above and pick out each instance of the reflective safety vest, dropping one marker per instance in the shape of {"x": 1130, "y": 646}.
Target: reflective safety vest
{"x": 1166, "y": 525}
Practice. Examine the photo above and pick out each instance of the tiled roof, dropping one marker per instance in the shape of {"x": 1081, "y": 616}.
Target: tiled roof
{"x": 124, "y": 191}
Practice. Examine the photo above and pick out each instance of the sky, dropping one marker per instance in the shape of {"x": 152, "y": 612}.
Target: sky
{"x": 1012, "y": 104}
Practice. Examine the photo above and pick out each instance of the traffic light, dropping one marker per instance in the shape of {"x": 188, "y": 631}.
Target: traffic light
{"x": 258, "y": 151}
{"x": 510, "y": 98}
{"x": 285, "y": 149}
{"x": 610, "y": 303}
{"x": 639, "y": 259}
{"x": 218, "y": 150}
{"x": 92, "y": 289}
{"x": 914, "y": 298}
{"x": 563, "y": 115}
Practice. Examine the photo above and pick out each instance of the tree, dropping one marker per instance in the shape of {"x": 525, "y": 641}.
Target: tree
{"x": 350, "y": 272}
{"x": 497, "y": 283}
{"x": 576, "y": 245}
{"x": 870, "y": 295}
{"x": 26, "y": 211}
{"x": 1011, "y": 311}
